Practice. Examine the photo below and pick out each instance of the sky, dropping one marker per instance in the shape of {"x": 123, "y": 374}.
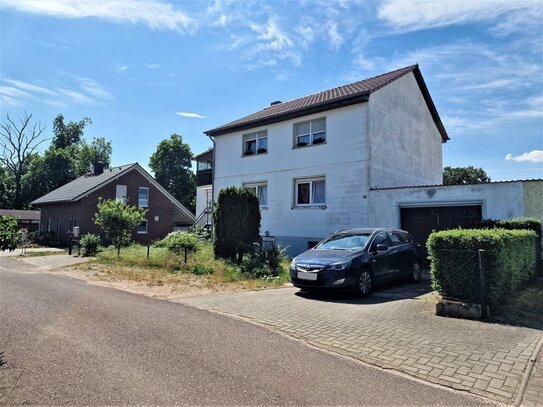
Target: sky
{"x": 143, "y": 70}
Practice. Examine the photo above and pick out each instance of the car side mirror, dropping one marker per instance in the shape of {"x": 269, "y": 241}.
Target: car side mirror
{"x": 381, "y": 248}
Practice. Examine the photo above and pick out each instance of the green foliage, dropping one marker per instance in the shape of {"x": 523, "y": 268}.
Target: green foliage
{"x": 9, "y": 233}
{"x": 464, "y": 175}
{"x": 200, "y": 231}
{"x": 509, "y": 261}
{"x": 89, "y": 244}
{"x": 171, "y": 163}
{"x": 67, "y": 135}
{"x": 99, "y": 150}
{"x": 263, "y": 262}
{"x": 201, "y": 269}
{"x": 236, "y": 222}
{"x": 180, "y": 242}
{"x": 118, "y": 220}
{"x": 520, "y": 223}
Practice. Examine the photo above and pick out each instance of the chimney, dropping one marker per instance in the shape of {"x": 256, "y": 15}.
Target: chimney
{"x": 98, "y": 168}
{"x": 277, "y": 102}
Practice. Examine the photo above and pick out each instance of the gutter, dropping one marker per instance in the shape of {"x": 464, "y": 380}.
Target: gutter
{"x": 212, "y": 174}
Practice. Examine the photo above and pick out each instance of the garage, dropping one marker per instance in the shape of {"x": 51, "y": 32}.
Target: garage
{"x": 421, "y": 221}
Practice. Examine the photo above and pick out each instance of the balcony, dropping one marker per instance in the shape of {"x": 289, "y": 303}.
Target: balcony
{"x": 204, "y": 177}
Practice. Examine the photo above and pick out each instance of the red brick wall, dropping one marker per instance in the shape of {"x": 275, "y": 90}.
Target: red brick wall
{"x": 84, "y": 210}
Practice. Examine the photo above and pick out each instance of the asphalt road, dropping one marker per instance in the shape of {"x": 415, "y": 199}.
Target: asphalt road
{"x": 66, "y": 342}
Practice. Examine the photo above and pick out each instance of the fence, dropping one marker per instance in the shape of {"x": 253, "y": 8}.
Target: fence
{"x": 463, "y": 278}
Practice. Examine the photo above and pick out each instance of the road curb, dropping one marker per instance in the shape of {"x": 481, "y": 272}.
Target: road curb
{"x": 528, "y": 372}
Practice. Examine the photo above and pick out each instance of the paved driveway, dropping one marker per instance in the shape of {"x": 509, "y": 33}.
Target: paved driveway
{"x": 395, "y": 328}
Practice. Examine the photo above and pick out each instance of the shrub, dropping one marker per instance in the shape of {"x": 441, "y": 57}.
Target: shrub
{"x": 201, "y": 269}
{"x": 180, "y": 242}
{"x": 9, "y": 233}
{"x": 200, "y": 231}
{"x": 262, "y": 262}
{"x": 520, "y": 223}
{"x": 509, "y": 261}
{"x": 236, "y": 222}
{"x": 88, "y": 244}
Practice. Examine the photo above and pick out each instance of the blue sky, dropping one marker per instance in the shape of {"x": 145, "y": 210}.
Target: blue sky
{"x": 142, "y": 70}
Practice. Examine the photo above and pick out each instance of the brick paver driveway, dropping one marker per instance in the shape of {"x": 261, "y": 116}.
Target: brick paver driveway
{"x": 395, "y": 328}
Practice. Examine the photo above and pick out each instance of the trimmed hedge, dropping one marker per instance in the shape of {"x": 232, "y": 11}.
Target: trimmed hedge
{"x": 520, "y": 223}
{"x": 509, "y": 262}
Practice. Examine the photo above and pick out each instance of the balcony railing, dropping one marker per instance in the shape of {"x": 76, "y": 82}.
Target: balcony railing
{"x": 204, "y": 177}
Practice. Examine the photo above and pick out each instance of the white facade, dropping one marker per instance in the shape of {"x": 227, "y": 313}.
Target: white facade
{"x": 391, "y": 140}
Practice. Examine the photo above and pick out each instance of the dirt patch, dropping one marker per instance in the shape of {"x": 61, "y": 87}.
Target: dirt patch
{"x": 185, "y": 285}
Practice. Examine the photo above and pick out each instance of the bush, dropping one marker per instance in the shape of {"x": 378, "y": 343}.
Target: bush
{"x": 9, "y": 233}
{"x": 262, "y": 262}
{"x": 236, "y": 222}
{"x": 180, "y": 242}
{"x": 89, "y": 244}
{"x": 520, "y": 223}
{"x": 201, "y": 269}
{"x": 200, "y": 231}
{"x": 509, "y": 261}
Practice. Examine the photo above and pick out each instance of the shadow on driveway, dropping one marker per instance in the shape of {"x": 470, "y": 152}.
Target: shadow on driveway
{"x": 399, "y": 290}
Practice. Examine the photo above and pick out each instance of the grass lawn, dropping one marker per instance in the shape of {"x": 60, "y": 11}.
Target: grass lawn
{"x": 164, "y": 268}
{"x": 525, "y": 309}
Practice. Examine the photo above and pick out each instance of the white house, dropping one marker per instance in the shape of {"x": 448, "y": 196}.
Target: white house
{"x": 313, "y": 160}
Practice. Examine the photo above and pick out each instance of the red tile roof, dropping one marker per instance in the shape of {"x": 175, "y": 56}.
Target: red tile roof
{"x": 329, "y": 99}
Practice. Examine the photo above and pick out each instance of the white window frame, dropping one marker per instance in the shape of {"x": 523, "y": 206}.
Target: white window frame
{"x": 143, "y": 232}
{"x": 256, "y": 136}
{"x": 121, "y": 198}
{"x": 310, "y": 181}
{"x": 139, "y": 199}
{"x": 310, "y": 134}
{"x": 257, "y": 186}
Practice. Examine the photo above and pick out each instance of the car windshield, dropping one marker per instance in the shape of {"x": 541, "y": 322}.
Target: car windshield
{"x": 343, "y": 241}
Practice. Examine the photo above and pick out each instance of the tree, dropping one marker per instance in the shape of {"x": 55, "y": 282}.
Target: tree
{"x": 171, "y": 163}
{"x": 464, "y": 175}
{"x": 67, "y": 135}
{"x": 181, "y": 242}
{"x": 99, "y": 150}
{"x": 9, "y": 233}
{"x": 118, "y": 220}
{"x": 236, "y": 223}
{"x": 19, "y": 143}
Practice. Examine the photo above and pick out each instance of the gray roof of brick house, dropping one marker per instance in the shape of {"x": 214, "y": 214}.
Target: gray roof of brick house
{"x": 23, "y": 214}
{"x": 345, "y": 95}
{"x": 74, "y": 190}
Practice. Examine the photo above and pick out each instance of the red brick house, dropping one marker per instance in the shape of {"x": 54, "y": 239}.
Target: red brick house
{"x": 74, "y": 204}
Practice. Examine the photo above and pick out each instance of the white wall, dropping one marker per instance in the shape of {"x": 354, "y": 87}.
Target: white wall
{"x": 498, "y": 200}
{"x": 342, "y": 160}
{"x": 201, "y": 198}
{"x": 405, "y": 144}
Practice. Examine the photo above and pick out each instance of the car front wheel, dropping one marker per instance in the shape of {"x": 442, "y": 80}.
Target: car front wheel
{"x": 416, "y": 272}
{"x": 364, "y": 283}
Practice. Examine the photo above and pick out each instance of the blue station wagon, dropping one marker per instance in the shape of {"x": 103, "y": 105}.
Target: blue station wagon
{"x": 358, "y": 259}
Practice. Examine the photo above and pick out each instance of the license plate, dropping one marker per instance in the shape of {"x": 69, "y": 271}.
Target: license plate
{"x": 307, "y": 276}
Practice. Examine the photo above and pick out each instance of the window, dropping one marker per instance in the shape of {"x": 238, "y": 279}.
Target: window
{"x": 309, "y": 192}
{"x": 403, "y": 238}
{"x": 70, "y": 224}
{"x": 120, "y": 193}
{"x": 142, "y": 227}
{"x": 310, "y": 133}
{"x": 143, "y": 197}
{"x": 255, "y": 143}
{"x": 261, "y": 191}
{"x": 381, "y": 238}
{"x": 48, "y": 225}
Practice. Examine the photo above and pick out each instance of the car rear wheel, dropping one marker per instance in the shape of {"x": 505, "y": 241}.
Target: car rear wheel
{"x": 364, "y": 283}
{"x": 416, "y": 272}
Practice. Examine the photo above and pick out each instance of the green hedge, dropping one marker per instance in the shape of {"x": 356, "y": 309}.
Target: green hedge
{"x": 509, "y": 261}
{"x": 520, "y": 223}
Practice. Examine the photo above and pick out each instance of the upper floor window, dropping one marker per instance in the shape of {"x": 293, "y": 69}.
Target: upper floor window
{"x": 120, "y": 193}
{"x": 310, "y": 132}
{"x": 261, "y": 191}
{"x": 310, "y": 192}
{"x": 255, "y": 143}
{"x": 203, "y": 165}
{"x": 143, "y": 197}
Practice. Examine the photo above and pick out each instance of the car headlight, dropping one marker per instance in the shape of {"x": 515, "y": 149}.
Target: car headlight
{"x": 293, "y": 264}
{"x": 339, "y": 266}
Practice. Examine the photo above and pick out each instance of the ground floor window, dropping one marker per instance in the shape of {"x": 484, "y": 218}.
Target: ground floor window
{"x": 142, "y": 227}
{"x": 48, "y": 225}
{"x": 260, "y": 189}
{"x": 309, "y": 191}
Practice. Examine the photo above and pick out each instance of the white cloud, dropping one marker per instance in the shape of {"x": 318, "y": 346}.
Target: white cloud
{"x": 153, "y": 13}
{"x": 421, "y": 14}
{"x": 534, "y": 156}
{"x": 123, "y": 68}
{"x": 29, "y": 87}
{"x": 190, "y": 115}
{"x": 153, "y": 66}
{"x": 334, "y": 38}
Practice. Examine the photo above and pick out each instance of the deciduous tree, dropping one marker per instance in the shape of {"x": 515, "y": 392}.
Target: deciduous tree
{"x": 464, "y": 175}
